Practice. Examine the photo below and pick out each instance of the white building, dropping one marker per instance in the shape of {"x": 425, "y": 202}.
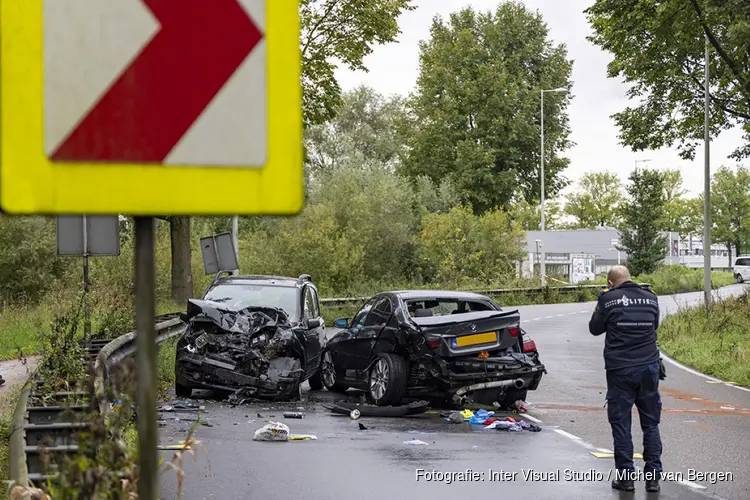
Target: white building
{"x": 584, "y": 253}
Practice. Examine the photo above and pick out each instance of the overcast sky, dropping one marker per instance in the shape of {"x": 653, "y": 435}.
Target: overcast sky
{"x": 394, "y": 68}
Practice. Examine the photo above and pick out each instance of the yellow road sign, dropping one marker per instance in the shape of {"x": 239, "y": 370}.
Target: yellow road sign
{"x": 144, "y": 108}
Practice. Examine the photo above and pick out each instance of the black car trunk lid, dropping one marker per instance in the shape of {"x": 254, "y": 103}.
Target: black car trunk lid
{"x": 469, "y": 333}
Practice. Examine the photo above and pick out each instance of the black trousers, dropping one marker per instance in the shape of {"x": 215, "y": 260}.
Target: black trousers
{"x": 638, "y": 385}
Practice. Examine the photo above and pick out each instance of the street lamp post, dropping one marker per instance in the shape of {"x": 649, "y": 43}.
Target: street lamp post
{"x": 542, "y": 268}
{"x": 641, "y": 161}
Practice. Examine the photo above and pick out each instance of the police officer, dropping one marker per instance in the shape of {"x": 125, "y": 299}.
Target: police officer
{"x": 629, "y": 315}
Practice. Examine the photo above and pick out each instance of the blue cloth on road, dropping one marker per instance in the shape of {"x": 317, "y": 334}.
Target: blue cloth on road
{"x": 480, "y": 416}
{"x": 637, "y": 385}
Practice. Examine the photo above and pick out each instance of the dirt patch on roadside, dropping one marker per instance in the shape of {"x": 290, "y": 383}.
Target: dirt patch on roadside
{"x": 15, "y": 372}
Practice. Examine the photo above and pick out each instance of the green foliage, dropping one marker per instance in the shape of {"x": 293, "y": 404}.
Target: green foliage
{"x": 712, "y": 340}
{"x": 365, "y": 131}
{"x": 459, "y": 247}
{"x": 345, "y": 31}
{"x": 730, "y": 204}
{"x": 62, "y": 356}
{"x": 528, "y": 215}
{"x": 475, "y": 117}
{"x": 597, "y": 201}
{"x": 658, "y": 49}
{"x": 28, "y": 263}
{"x": 642, "y": 214}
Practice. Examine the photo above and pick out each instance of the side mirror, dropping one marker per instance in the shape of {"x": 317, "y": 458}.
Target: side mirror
{"x": 341, "y": 323}
{"x": 184, "y": 317}
{"x": 314, "y": 323}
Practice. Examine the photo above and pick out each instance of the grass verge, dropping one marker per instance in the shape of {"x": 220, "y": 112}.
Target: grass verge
{"x": 19, "y": 330}
{"x": 165, "y": 366}
{"x": 712, "y": 340}
{"x": 8, "y": 402}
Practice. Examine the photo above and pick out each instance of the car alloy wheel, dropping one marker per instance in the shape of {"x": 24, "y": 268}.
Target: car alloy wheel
{"x": 379, "y": 375}
{"x": 328, "y": 370}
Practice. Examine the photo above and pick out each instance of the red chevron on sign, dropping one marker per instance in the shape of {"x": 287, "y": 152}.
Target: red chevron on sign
{"x": 152, "y": 104}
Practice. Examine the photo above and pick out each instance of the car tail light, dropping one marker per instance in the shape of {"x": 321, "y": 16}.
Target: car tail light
{"x": 434, "y": 343}
{"x": 529, "y": 345}
{"x": 514, "y": 331}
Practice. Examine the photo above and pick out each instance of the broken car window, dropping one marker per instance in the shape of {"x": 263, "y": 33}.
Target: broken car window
{"x": 439, "y": 307}
{"x": 316, "y": 303}
{"x": 236, "y": 297}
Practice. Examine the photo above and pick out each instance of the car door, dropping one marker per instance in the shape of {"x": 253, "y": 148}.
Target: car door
{"x": 342, "y": 345}
{"x": 313, "y": 332}
{"x": 743, "y": 268}
{"x": 367, "y": 337}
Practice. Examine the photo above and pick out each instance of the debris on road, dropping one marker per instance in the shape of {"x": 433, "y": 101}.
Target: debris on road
{"x": 416, "y": 442}
{"x": 480, "y": 417}
{"x": 293, "y": 414}
{"x": 302, "y": 437}
{"x": 368, "y": 410}
{"x": 455, "y": 418}
{"x": 272, "y": 431}
{"x": 362, "y": 427}
{"x": 520, "y": 406}
{"x": 354, "y": 415}
{"x": 515, "y": 426}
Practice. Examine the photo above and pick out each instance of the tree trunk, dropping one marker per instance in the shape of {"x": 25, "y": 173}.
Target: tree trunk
{"x": 182, "y": 275}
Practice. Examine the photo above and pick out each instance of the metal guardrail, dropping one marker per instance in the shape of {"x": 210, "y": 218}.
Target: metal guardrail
{"x": 34, "y": 426}
{"x": 496, "y": 291}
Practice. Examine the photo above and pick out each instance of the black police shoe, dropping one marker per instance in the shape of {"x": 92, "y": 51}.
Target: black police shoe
{"x": 652, "y": 485}
{"x": 623, "y": 484}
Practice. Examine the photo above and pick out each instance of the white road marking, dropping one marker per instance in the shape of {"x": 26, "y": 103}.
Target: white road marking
{"x": 559, "y": 315}
{"x": 548, "y": 317}
{"x": 584, "y": 311}
{"x": 571, "y": 314}
{"x": 567, "y": 434}
{"x": 691, "y": 484}
{"x": 533, "y": 419}
{"x": 535, "y": 319}
{"x": 708, "y": 378}
{"x": 726, "y": 408}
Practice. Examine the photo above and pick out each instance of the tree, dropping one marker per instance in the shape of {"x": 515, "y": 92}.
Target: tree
{"x": 676, "y": 207}
{"x": 345, "y": 31}
{"x": 658, "y": 49}
{"x": 474, "y": 117}
{"x": 730, "y": 204}
{"x": 364, "y": 129}
{"x": 640, "y": 232}
{"x": 597, "y": 201}
{"x": 529, "y": 215}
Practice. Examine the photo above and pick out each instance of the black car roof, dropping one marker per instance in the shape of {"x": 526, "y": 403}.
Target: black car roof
{"x": 259, "y": 280}
{"x": 438, "y": 294}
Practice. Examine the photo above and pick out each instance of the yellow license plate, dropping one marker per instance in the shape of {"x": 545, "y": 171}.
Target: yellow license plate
{"x": 479, "y": 338}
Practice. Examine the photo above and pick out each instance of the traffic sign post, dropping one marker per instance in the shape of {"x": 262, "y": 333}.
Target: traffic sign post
{"x": 146, "y": 107}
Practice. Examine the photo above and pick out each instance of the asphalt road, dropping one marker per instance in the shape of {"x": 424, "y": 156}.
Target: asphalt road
{"x": 705, "y": 428}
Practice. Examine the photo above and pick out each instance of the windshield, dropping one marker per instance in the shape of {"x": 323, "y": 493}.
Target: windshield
{"x": 238, "y": 297}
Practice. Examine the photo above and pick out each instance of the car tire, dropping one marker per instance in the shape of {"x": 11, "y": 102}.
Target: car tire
{"x": 183, "y": 391}
{"x": 327, "y": 373}
{"x": 387, "y": 379}
{"x": 739, "y": 278}
{"x": 316, "y": 381}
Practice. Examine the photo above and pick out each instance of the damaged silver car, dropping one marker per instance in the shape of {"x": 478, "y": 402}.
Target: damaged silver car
{"x": 254, "y": 336}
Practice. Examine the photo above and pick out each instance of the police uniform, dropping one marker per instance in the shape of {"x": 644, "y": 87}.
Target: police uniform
{"x": 629, "y": 315}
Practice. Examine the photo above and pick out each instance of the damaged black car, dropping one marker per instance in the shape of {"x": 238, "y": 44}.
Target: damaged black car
{"x": 457, "y": 346}
{"x": 254, "y": 336}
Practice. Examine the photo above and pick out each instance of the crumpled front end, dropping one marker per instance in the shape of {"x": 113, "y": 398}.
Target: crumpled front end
{"x": 254, "y": 351}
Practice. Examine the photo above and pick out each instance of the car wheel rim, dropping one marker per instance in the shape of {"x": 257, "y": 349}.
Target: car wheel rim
{"x": 329, "y": 371}
{"x": 379, "y": 379}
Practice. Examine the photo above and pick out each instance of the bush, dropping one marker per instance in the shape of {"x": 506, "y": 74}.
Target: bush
{"x": 459, "y": 247}
{"x": 713, "y": 340}
{"x": 676, "y": 279}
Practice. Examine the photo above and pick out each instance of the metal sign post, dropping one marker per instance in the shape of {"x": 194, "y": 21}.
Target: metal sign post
{"x": 88, "y": 236}
{"x": 145, "y": 307}
{"x": 87, "y": 310}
